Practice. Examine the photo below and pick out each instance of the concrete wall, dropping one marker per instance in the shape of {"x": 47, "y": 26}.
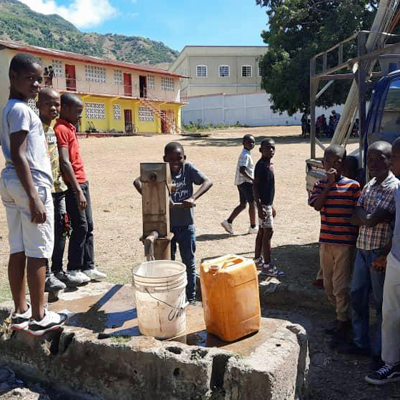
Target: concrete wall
{"x": 249, "y": 109}
{"x": 213, "y": 57}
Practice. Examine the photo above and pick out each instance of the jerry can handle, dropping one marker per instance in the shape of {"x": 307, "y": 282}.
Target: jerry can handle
{"x": 232, "y": 261}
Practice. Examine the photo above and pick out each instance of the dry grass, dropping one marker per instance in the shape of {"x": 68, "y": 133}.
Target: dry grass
{"x": 113, "y": 163}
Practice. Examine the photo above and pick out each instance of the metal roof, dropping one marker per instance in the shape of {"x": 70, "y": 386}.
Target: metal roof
{"x": 67, "y": 55}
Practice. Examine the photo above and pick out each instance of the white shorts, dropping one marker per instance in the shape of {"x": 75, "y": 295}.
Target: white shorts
{"x": 268, "y": 221}
{"x": 35, "y": 240}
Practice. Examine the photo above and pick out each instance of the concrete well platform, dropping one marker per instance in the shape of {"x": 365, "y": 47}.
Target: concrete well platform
{"x": 101, "y": 354}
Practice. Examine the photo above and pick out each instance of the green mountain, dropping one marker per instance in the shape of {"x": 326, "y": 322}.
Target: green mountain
{"x": 19, "y": 23}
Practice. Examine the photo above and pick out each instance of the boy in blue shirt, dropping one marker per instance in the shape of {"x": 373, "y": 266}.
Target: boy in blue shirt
{"x": 184, "y": 175}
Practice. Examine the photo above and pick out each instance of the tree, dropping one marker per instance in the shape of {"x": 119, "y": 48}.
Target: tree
{"x": 298, "y": 30}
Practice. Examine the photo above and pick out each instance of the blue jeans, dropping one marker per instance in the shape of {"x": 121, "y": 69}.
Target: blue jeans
{"x": 185, "y": 237}
{"x": 364, "y": 281}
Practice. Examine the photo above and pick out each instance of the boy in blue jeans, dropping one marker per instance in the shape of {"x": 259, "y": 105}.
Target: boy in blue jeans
{"x": 375, "y": 207}
{"x": 184, "y": 175}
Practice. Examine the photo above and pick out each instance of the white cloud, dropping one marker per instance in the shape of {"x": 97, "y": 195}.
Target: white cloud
{"x": 82, "y": 13}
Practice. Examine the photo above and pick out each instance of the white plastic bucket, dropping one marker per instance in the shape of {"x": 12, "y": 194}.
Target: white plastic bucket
{"x": 160, "y": 288}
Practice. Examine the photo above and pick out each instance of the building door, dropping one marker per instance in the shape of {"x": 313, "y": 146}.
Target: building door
{"x": 143, "y": 86}
{"x": 127, "y": 84}
{"x": 164, "y": 125}
{"x": 128, "y": 121}
{"x": 70, "y": 77}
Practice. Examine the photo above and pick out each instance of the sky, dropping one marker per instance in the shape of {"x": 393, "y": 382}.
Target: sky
{"x": 176, "y": 23}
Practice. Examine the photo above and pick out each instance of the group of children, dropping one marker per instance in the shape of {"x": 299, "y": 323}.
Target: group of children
{"x": 43, "y": 180}
{"x": 256, "y": 187}
{"x": 359, "y": 242}
{"x": 44, "y": 188}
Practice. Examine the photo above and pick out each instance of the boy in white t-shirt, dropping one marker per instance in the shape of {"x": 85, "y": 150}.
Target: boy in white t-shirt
{"x": 244, "y": 182}
{"x": 25, "y": 189}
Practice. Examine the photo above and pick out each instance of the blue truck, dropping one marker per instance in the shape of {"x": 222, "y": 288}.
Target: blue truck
{"x": 377, "y": 71}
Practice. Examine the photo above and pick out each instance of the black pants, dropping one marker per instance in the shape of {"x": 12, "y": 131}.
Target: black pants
{"x": 59, "y": 239}
{"x": 81, "y": 249}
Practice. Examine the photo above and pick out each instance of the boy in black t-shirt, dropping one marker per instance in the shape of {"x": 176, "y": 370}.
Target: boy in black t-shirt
{"x": 264, "y": 192}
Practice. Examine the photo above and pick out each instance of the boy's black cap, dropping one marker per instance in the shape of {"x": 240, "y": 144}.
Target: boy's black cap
{"x": 22, "y": 61}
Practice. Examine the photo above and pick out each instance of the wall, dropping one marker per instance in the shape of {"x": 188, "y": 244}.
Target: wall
{"x": 248, "y": 109}
{"x": 5, "y": 58}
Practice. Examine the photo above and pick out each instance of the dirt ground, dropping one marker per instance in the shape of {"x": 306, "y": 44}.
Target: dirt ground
{"x": 113, "y": 163}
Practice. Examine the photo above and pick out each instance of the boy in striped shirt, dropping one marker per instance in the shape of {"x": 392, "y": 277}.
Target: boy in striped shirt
{"x": 336, "y": 198}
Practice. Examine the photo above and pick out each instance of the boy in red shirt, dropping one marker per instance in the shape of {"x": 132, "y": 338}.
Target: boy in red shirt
{"x": 80, "y": 250}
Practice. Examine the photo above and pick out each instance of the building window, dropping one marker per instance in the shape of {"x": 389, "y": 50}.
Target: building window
{"x": 57, "y": 68}
{"x": 94, "y": 73}
{"x": 32, "y": 105}
{"x": 117, "y": 111}
{"x": 259, "y": 71}
{"x": 145, "y": 114}
{"x": 224, "y": 71}
{"x": 150, "y": 82}
{"x": 95, "y": 110}
{"x": 117, "y": 77}
{"x": 167, "y": 84}
{"x": 201, "y": 71}
{"x": 246, "y": 71}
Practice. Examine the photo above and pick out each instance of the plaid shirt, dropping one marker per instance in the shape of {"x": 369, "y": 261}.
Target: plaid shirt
{"x": 375, "y": 196}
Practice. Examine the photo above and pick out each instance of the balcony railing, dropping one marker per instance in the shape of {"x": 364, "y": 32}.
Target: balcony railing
{"x": 112, "y": 89}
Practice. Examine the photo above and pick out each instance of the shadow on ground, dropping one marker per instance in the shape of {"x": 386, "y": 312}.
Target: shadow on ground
{"x": 236, "y": 142}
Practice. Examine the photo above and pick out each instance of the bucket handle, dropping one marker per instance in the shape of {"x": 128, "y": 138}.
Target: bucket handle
{"x": 176, "y": 312}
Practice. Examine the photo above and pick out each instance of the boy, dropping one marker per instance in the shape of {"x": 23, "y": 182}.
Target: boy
{"x": 375, "y": 206}
{"x": 81, "y": 250}
{"x": 336, "y": 199}
{"x": 25, "y": 187}
{"x": 349, "y": 170}
{"x": 184, "y": 175}
{"x": 390, "y": 372}
{"x": 264, "y": 192}
{"x": 244, "y": 182}
{"x": 49, "y": 108}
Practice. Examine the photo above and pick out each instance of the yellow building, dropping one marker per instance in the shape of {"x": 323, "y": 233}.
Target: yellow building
{"x": 117, "y": 96}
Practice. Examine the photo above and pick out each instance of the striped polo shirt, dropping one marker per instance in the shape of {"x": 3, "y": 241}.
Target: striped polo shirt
{"x": 337, "y": 210}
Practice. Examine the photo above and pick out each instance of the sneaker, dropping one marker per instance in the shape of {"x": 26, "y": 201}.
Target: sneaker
{"x": 94, "y": 274}
{"x": 227, "y": 226}
{"x": 252, "y": 231}
{"x": 384, "y": 375}
{"x": 52, "y": 284}
{"x": 259, "y": 262}
{"x": 271, "y": 270}
{"x": 68, "y": 279}
{"x": 50, "y": 322}
{"x": 20, "y": 322}
{"x": 78, "y": 274}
